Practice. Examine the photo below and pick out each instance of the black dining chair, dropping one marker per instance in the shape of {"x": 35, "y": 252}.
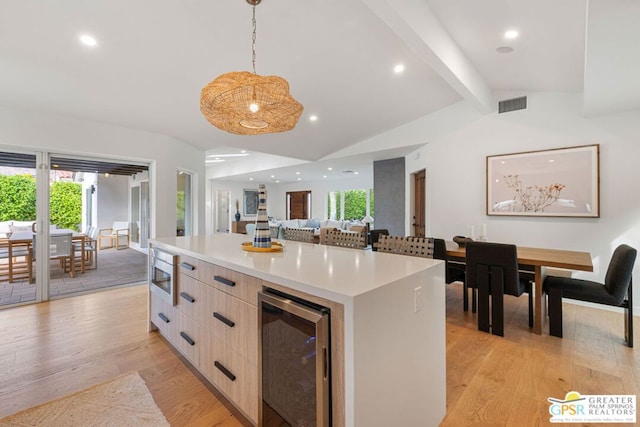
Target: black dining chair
{"x": 616, "y": 291}
{"x": 492, "y": 268}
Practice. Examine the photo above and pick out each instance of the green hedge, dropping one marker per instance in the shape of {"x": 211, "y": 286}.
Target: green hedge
{"x": 17, "y": 198}
{"x": 18, "y": 201}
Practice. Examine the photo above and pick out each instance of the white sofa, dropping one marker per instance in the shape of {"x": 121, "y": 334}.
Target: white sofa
{"x": 314, "y": 224}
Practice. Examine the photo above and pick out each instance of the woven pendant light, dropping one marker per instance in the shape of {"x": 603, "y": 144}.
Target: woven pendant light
{"x": 245, "y": 103}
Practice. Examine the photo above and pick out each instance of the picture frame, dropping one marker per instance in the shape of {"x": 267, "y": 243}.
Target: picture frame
{"x": 560, "y": 182}
{"x": 250, "y": 200}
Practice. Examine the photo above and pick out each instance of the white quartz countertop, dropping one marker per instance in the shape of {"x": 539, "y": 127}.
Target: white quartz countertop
{"x": 339, "y": 274}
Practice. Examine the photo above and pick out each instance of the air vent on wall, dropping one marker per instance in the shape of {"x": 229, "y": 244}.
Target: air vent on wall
{"x": 512, "y": 104}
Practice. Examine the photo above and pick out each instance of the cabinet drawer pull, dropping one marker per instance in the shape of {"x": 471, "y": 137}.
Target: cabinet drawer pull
{"x": 223, "y": 319}
{"x": 224, "y": 370}
{"x": 187, "y": 297}
{"x": 187, "y": 338}
{"x": 164, "y": 318}
{"x": 224, "y": 281}
{"x": 187, "y": 266}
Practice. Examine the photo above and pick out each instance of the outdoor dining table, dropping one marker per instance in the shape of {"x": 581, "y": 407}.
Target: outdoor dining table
{"x": 22, "y": 238}
{"x": 539, "y": 259}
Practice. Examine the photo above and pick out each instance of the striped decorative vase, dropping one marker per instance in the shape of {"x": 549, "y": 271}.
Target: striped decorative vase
{"x": 262, "y": 236}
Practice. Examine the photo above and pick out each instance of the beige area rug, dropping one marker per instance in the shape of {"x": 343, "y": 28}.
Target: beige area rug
{"x": 123, "y": 401}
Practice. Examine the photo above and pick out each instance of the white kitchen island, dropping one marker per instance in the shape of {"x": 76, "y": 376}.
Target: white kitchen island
{"x": 388, "y": 321}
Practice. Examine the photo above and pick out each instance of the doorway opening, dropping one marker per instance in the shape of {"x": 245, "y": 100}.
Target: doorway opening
{"x": 298, "y": 204}
{"x": 419, "y": 203}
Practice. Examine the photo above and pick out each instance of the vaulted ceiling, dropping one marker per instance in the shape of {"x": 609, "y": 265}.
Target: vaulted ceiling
{"x": 154, "y": 56}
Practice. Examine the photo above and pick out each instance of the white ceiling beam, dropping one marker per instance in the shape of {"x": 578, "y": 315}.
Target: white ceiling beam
{"x": 414, "y": 22}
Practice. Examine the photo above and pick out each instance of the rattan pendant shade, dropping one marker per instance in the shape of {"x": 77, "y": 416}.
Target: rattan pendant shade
{"x": 226, "y": 104}
{"x": 246, "y": 103}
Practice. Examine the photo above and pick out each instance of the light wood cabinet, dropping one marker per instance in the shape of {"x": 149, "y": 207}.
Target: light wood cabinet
{"x": 214, "y": 324}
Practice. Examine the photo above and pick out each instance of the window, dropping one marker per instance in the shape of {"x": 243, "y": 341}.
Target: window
{"x": 349, "y": 204}
{"x": 183, "y": 204}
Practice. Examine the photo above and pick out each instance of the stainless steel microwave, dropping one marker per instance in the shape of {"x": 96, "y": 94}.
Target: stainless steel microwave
{"x": 163, "y": 274}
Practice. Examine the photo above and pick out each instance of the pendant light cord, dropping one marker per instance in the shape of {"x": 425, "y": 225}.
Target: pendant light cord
{"x": 253, "y": 40}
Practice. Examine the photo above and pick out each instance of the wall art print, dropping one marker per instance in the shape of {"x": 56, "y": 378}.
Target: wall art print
{"x": 250, "y": 199}
{"x": 562, "y": 182}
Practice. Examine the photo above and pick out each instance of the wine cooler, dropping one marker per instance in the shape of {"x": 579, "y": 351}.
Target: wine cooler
{"x": 294, "y": 362}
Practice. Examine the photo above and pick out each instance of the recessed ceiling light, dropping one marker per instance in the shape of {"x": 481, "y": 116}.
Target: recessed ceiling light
{"x": 299, "y": 179}
{"x": 511, "y": 34}
{"x": 243, "y": 151}
{"x": 88, "y": 40}
{"x": 273, "y": 176}
{"x": 504, "y": 49}
{"x": 297, "y": 173}
{"x": 250, "y": 179}
{"x": 324, "y": 176}
{"x": 313, "y": 118}
{"x": 398, "y": 68}
{"x": 329, "y": 169}
{"x": 356, "y": 173}
{"x": 277, "y": 180}
{"x": 551, "y": 160}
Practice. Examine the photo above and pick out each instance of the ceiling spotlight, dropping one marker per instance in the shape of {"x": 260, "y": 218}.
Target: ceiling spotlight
{"x": 88, "y": 40}
{"x": 299, "y": 179}
{"x": 398, "y": 68}
{"x": 297, "y": 173}
{"x": 324, "y": 176}
{"x": 329, "y": 169}
{"x": 313, "y": 118}
{"x": 504, "y": 49}
{"x": 511, "y": 34}
{"x": 250, "y": 179}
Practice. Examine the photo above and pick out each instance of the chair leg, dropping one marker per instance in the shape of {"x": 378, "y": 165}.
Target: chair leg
{"x": 474, "y": 298}
{"x": 555, "y": 312}
{"x": 530, "y": 305}
{"x": 497, "y": 301}
{"x": 465, "y": 296}
{"x": 628, "y": 318}
{"x": 483, "y": 298}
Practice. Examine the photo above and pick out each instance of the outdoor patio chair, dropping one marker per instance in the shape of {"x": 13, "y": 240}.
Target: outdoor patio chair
{"x": 116, "y": 235}
{"x": 60, "y": 248}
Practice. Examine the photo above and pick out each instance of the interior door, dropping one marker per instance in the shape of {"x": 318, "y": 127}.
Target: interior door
{"x": 419, "y": 205}
{"x": 298, "y": 204}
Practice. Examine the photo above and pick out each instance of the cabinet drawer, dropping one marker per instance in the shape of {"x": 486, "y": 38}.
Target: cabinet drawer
{"x": 189, "y": 266}
{"x": 163, "y": 315}
{"x": 234, "y": 322}
{"x": 234, "y": 283}
{"x": 188, "y": 339}
{"x": 191, "y": 297}
{"x": 230, "y": 372}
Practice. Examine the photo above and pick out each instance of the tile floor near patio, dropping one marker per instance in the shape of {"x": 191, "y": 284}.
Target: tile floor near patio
{"x": 115, "y": 267}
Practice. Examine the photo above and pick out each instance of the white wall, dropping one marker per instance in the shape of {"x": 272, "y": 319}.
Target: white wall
{"x": 64, "y": 135}
{"x": 112, "y": 200}
{"x": 455, "y": 165}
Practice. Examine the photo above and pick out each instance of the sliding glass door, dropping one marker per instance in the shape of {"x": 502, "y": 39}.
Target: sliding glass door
{"x": 19, "y": 213}
{"x": 67, "y": 225}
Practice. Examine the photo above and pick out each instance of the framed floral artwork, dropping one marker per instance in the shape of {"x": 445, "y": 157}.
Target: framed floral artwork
{"x": 561, "y": 182}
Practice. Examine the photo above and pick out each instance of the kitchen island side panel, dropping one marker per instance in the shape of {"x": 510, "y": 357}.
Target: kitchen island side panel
{"x": 399, "y": 355}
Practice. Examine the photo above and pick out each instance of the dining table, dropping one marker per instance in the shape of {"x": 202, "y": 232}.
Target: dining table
{"x": 25, "y": 238}
{"x": 539, "y": 259}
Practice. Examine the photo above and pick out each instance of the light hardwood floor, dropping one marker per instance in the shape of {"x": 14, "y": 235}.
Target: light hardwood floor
{"x": 52, "y": 349}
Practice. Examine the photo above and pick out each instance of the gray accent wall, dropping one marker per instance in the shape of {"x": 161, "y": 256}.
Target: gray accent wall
{"x": 389, "y": 192}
